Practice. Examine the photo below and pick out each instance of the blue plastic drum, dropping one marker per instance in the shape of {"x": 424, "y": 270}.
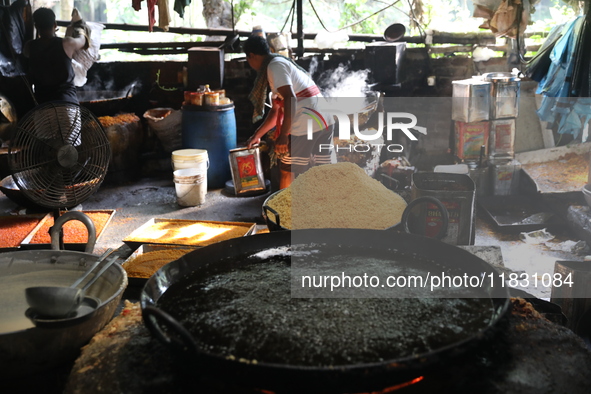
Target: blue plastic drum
{"x": 212, "y": 128}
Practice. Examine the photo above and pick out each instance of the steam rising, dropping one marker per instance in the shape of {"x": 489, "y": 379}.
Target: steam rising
{"x": 97, "y": 90}
{"x": 341, "y": 82}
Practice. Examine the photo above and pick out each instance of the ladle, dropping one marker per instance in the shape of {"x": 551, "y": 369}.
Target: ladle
{"x": 59, "y": 301}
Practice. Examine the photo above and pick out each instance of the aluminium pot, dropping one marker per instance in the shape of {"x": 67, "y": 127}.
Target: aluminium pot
{"x": 28, "y": 347}
{"x": 226, "y": 255}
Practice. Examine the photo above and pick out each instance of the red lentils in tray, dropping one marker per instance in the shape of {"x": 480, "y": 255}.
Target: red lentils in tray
{"x": 14, "y": 229}
{"x": 74, "y": 231}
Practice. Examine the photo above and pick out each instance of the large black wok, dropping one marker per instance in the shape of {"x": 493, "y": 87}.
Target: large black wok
{"x": 105, "y": 102}
{"x": 291, "y": 378}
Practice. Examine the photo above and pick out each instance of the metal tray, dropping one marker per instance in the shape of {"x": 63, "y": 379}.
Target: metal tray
{"x": 76, "y": 246}
{"x": 39, "y": 217}
{"x": 556, "y": 183}
{"x": 516, "y": 212}
{"x": 147, "y": 248}
{"x": 141, "y": 235}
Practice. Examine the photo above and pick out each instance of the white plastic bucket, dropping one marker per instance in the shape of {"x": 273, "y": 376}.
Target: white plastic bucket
{"x": 191, "y": 186}
{"x": 190, "y": 158}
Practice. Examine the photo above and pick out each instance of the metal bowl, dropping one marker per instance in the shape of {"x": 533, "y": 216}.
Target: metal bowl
{"x": 500, "y": 77}
{"x": 11, "y": 190}
{"x": 26, "y": 348}
{"x": 394, "y": 32}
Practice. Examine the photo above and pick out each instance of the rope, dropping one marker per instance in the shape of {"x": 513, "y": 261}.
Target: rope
{"x": 352, "y": 24}
{"x": 288, "y": 16}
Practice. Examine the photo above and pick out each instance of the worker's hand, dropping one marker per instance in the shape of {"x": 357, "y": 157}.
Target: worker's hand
{"x": 81, "y": 29}
{"x": 281, "y": 147}
{"x": 252, "y": 141}
{"x": 80, "y": 23}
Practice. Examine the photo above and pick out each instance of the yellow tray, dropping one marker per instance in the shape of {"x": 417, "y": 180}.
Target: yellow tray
{"x": 137, "y": 280}
{"x": 195, "y": 233}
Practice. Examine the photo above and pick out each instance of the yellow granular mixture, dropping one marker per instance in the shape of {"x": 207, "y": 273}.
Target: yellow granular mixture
{"x": 189, "y": 233}
{"x": 145, "y": 265}
{"x": 569, "y": 173}
{"x": 108, "y": 121}
{"x": 338, "y": 195}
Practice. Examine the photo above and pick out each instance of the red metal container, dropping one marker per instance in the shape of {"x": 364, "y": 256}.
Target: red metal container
{"x": 469, "y": 137}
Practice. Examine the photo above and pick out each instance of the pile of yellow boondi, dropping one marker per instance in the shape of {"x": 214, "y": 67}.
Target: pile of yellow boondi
{"x": 338, "y": 195}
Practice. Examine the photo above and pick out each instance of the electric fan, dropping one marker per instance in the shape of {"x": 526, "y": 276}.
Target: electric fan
{"x": 59, "y": 155}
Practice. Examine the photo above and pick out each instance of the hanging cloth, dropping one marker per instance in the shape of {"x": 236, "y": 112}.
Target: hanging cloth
{"x": 566, "y": 79}
{"x": 179, "y": 6}
{"x": 557, "y": 82}
{"x": 163, "y": 15}
{"x": 12, "y": 39}
{"x": 151, "y": 14}
{"x": 537, "y": 67}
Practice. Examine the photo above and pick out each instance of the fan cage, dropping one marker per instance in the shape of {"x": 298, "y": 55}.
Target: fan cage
{"x": 60, "y": 155}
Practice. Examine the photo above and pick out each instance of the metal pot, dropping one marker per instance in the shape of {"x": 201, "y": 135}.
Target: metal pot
{"x": 230, "y": 254}
{"x": 273, "y": 221}
{"x": 25, "y": 348}
{"x": 105, "y": 102}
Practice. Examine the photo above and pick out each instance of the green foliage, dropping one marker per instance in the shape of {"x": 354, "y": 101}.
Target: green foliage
{"x": 242, "y": 7}
{"x": 352, "y": 13}
{"x": 120, "y": 11}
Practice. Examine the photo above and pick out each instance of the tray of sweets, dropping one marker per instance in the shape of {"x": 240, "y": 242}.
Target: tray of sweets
{"x": 147, "y": 259}
{"x": 74, "y": 232}
{"x": 194, "y": 233}
{"x": 516, "y": 213}
{"x": 559, "y": 171}
{"x": 15, "y": 228}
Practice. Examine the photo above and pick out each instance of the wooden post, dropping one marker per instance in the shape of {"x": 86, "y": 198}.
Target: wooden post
{"x": 300, "y": 23}
{"x": 66, "y": 7}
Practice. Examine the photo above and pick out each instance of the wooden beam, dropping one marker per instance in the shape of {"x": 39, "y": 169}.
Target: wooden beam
{"x": 464, "y": 38}
{"x": 147, "y": 45}
{"x": 438, "y": 37}
{"x": 470, "y": 48}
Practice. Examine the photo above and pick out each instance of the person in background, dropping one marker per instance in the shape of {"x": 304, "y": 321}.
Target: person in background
{"x": 288, "y": 83}
{"x": 50, "y": 58}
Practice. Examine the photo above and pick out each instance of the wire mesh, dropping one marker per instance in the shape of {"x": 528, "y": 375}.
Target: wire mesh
{"x": 59, "y": 155}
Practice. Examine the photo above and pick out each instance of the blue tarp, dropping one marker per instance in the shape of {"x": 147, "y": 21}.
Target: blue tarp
{"x": 558, "y": 104}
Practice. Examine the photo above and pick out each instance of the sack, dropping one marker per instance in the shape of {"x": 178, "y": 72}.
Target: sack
{"x": 166, "y": 124}
{"x": 83, "y": 59}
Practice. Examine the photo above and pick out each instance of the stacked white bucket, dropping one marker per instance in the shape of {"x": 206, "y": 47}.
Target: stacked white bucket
{"x": 190, "y": 176}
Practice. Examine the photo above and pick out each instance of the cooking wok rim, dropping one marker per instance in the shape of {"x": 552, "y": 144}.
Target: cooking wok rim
{"x": 500, "y": 306}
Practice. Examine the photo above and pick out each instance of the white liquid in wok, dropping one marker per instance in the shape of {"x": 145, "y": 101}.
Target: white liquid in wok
{"x": 13, "y": 303}
{"x": 34, "y": 269}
